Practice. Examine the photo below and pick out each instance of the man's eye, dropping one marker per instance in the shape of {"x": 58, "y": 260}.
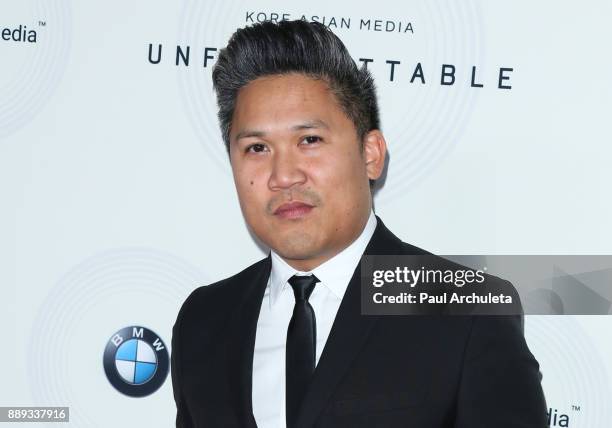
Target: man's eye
{"x": 312, "y": 139}
{"x": 256, "y": 148}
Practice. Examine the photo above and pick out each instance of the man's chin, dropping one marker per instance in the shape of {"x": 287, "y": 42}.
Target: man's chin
{"x": 297, "y": 245}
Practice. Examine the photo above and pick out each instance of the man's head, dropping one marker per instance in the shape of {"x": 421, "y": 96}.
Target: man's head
{"x": 300, "y": 122}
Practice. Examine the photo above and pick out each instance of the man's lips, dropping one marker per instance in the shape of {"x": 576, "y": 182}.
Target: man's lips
{"x": 293, "y": 210}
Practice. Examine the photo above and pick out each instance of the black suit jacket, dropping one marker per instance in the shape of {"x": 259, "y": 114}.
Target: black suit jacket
{"x": 388, "y": 371}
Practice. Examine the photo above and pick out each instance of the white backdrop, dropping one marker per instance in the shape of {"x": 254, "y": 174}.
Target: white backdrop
{"x": 114, "y": 179}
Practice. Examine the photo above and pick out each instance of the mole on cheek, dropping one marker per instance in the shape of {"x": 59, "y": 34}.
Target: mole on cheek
{"x": 251, "y": 182}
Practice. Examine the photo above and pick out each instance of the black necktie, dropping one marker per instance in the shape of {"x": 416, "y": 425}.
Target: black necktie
{"x": 301, "y": 345}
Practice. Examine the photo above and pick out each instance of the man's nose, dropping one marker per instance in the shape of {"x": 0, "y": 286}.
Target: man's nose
{"x": 286, "y": 171}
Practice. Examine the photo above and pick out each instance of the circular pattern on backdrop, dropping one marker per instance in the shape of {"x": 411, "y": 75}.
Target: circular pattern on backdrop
{"x": 431, "y": 123}
{"x": 206, "y": 24}
{"x": 42, "y": 66}
{"x": 82, "y": 311}
{"x": 574, "y": 374}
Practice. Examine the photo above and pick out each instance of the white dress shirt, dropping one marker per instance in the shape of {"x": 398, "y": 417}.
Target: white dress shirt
{"x": 276, "y": 310}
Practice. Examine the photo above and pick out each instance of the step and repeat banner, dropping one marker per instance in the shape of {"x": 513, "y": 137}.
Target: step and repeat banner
{"x": 117, "y": 198}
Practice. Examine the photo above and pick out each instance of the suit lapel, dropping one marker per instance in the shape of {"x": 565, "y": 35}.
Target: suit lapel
{"x": 241, "y": 343}
{"x": 349, "y": 333}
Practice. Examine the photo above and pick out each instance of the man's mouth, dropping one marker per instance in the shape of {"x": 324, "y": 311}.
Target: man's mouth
{"x": 293, "y": 210}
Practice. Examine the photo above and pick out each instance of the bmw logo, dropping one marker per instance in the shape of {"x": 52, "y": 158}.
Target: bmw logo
{"x": 136, "y": 361}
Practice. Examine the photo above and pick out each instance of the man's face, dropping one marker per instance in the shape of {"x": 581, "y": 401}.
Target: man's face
{"x": 301, "y": 176}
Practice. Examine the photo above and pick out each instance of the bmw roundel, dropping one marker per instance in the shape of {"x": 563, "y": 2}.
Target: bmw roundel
{"x": 136, "y": 361}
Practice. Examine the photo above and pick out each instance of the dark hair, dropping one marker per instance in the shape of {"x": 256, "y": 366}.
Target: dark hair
{"x": 271, "y": 48}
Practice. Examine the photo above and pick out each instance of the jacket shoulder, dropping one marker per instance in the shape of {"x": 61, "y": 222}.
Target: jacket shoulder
{"x": 409, "y": 249}
{"x": 385, "y": 242}
{"x": 220, "y": 293}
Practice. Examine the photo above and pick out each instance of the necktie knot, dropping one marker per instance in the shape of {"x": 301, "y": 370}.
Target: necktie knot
{"x": 302, "y": 286}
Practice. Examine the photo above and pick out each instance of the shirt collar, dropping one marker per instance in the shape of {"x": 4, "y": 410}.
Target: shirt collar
{"x": 335, "y": 273}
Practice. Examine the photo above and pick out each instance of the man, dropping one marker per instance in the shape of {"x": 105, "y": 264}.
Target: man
{"x": 283, "y": 343}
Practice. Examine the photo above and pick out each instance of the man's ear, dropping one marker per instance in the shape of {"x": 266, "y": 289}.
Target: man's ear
{"x": 374, "y": 150}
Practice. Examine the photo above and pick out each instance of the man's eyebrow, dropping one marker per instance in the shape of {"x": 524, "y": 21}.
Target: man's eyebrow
{"x": 311, "y": 124}
{"x": 249, "y": 133}
{"x": 316, "y": 123}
